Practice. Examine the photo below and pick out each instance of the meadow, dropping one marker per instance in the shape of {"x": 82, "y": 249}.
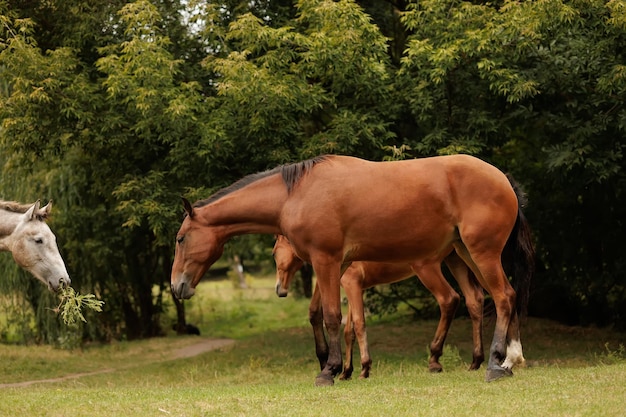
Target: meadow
{"x": 270, "y": 366}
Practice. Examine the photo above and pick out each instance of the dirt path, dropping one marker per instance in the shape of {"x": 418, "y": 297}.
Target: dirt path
{"x": 205, "y": 345}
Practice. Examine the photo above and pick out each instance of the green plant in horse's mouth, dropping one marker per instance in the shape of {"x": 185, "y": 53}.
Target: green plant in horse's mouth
{"x": 72, "y": 304}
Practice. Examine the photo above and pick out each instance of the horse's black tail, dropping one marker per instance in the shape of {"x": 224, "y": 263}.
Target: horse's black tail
{"x": 519, "y": 253}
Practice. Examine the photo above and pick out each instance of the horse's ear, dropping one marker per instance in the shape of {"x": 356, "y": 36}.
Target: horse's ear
{"x": 44, "y": 212}
{"x": 188, "y": 207}
{"x": 33, "y": 211}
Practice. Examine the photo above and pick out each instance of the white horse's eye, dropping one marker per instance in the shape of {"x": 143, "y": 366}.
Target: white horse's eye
{"x": 38, "y": 240}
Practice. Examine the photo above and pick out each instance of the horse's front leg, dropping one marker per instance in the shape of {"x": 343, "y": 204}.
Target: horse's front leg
{"x": 328, "y": 274}
{"x": 349, "y": 336}
{"x": 316, "y": 318}
{"x": 352, "y": 285}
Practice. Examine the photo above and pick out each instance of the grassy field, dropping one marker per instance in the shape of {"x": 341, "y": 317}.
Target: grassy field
{"x": 270, "y": 369}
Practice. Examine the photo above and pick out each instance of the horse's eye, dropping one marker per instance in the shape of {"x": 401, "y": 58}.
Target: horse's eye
{"x": 180, "y": 239}
{"x": 38, "y": 240}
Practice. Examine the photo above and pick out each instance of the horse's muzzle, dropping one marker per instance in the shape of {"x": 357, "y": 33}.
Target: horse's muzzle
{"x": 182, "y": 289}
{"x": 280, "y": 291}
{"x": 56, "y": 285}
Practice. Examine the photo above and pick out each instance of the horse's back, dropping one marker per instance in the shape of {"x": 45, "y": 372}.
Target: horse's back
{"x": 396, "y": 190}
{"x": 460, "y": 170}
{"x": 414, "y": 206}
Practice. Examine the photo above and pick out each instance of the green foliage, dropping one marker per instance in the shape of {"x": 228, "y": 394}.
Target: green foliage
{"x": 72, "y": 304}
{"x": 610, "y": 356}
{"x": 537, "y": 88}
{"x": 94, "y": 142}
{"x": 308, "y": 88}
{"x": 404, "y": 295}
{"x": 70, "y": 309}
{"x": 116, "y": 109}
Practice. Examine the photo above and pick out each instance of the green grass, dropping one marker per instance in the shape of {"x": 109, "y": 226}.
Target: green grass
{"x": 270, "y": 369}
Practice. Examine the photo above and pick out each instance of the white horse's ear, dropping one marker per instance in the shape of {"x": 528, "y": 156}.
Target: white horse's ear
{"x": 44, "y": 212}
{"x": 33, "y": 211}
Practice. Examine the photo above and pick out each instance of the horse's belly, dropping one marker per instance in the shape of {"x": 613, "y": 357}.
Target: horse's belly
{"x": 395, "y": 244}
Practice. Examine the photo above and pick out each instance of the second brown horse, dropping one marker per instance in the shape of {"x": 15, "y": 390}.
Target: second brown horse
{"x": 363, "y": 275}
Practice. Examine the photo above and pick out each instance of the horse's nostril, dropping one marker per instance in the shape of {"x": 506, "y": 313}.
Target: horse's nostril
{"x": 178, "y": 290}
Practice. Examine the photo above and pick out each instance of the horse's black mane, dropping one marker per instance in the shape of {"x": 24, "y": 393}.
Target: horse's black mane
{"x": 291, "y": 174}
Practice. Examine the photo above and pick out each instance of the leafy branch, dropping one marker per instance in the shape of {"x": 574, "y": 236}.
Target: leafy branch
{"x": 72, "y": 303}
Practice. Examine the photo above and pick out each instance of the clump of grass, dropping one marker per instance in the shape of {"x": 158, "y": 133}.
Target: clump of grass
{"x": 72, "y": 304}
{"x": 450, "y": 359}
{"x": 611, "y": 356}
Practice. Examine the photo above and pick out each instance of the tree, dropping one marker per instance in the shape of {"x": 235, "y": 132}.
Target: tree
{"x": 537, "y": 88}
{"x": 120, "y": 125}
{"x": 117, "y": 112}
{"x": 101, "y": 141}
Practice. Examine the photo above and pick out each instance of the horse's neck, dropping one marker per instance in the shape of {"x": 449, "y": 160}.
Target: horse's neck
{"x": 8, "y": 222}
{"x": 253, "y": 209}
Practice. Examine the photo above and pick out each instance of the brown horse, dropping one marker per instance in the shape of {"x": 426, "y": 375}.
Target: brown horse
{"x": 362, "y": 275}
{"x": 337, "y": 209}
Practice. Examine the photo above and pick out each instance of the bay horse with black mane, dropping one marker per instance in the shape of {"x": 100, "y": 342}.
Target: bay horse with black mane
{"x": 363, "y": 275}
{"x": 338, "y": 209}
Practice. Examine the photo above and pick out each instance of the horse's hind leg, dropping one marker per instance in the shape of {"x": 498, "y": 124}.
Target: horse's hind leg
{"x": 488, "y": 270}
{"x": 514, "y": 354}
{"x": 316, "y": 318}
{"x": 433, "y": 279}
{"x": 474, "y": 300}
{"x": 504, "y": 299}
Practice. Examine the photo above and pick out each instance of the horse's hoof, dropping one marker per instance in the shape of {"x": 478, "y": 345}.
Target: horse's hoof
{"x": 324, "y": 380}
{"x": 435, "y": 368}
{"x": 474, "y": 367}
{"x": 497, "y": 373}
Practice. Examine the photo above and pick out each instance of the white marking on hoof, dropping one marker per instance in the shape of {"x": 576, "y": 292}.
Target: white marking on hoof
{"x": 514, "y": 355}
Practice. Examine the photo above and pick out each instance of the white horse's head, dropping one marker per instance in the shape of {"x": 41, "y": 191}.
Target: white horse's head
{"x": 34, "y": 248}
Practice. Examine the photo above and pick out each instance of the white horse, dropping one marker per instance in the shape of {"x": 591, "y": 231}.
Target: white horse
{"x": 24, "y": 233}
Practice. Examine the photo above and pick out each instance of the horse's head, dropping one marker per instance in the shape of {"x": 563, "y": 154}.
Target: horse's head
{"x": 34, "y": 248}
{"x": 287, "y": 264}
{"x": 197, "y": 248}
